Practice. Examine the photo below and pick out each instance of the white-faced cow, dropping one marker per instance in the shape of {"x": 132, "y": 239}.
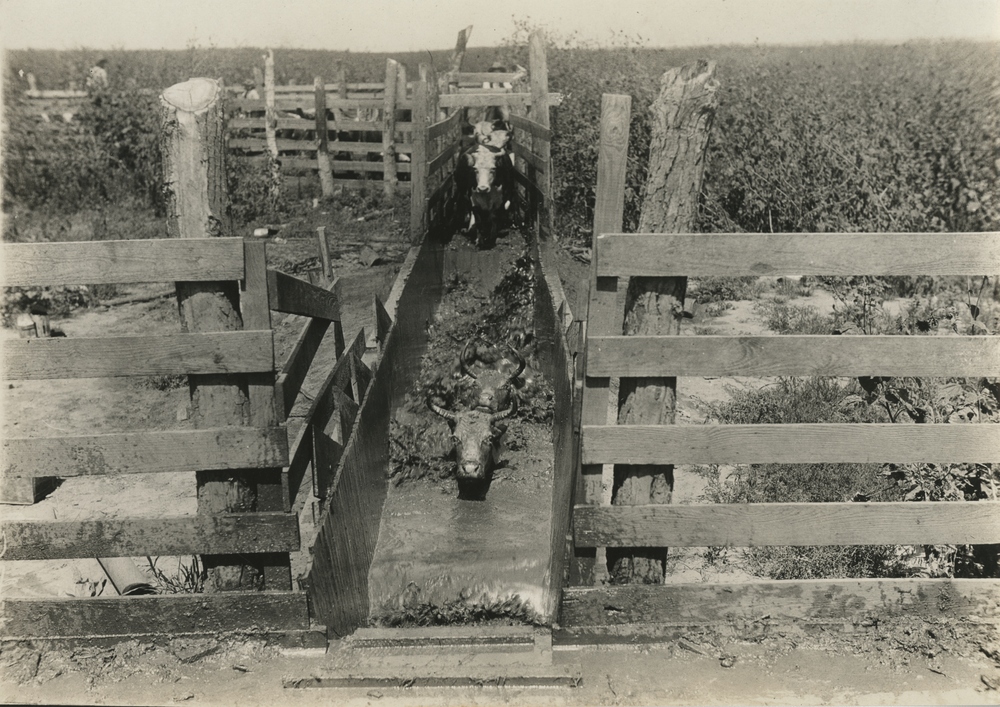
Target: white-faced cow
{"x": 484, "y": 189}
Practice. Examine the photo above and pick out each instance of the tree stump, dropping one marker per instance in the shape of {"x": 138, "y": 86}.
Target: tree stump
{"x": 193, "y": 145}
{"x": 680, "y": 123}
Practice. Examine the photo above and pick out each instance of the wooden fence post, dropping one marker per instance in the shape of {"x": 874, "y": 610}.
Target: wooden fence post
{"x": 322, "y": 140}
{"x": 324, "y": 253}
{"x": 539, "y": 76}
{"x": 433, "y": 95}
{"x": 418, "y": 165}
{"x": 603, "y": 317}
{"x": 193, "y": 121}
{"x": 401, "y": 90}
{"x": 681, "y": 122}
{"x": 458, "y": 55}
{"x": 389, "y": 129}
{"x": 341, "y": 89}
{"x": 270, "y": 122}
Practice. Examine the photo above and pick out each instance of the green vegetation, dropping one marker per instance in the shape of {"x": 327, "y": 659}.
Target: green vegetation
{"x": 835, "y": 138}
{"x": 465, "y": 612}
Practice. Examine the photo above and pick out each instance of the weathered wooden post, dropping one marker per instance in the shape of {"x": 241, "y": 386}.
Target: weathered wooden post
{"x": 322, "y": 140}
{"x": 458, "y": 54}
{"x": 389, "y": 129}
{"x": 418, "y": 165}
{"x": 193, "y": 146}
{"x": 603, "y": 316}
{"x": 324, "y": 253}
{"x": 401, "y": 90}
{"x": 270, "y": 123}
{"x": 341, "y": 89}
{"x": 681, "y": 121}
{"x": 539, "y": 77}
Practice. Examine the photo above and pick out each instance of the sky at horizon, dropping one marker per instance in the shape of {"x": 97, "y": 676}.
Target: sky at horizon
{"x": 413, "y": 25}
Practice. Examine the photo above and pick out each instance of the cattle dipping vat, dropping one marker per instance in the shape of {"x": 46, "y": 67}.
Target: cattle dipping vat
{"x": 423, "y": 554}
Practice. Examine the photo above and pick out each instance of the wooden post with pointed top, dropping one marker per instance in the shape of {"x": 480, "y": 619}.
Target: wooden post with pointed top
{"x": 322, "y": 140}
{"x": 418, "y": 164}
{"x": 389, "y": 129}
{"x": 539, "y": 77}
{"x": 341, "y": 89}
{"x": 603, "y": 317}
{"x": 270, "y": 123}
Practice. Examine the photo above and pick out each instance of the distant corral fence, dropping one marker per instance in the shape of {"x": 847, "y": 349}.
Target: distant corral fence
{"x": 595, "y": 523}
{"x": 398, "y": 135}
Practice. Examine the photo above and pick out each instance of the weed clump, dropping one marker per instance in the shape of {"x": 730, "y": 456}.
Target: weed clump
{"x": 464, "y": 611}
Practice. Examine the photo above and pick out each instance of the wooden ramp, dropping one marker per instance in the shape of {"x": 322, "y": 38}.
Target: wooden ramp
{"x": 481, "y": 657}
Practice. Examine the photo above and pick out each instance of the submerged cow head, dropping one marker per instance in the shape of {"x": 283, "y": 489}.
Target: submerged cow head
{"x": 476, "y": 438}
{"x": 495, "y": 387}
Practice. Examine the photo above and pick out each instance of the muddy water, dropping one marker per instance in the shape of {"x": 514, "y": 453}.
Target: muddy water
{"x": 436, "y": 549}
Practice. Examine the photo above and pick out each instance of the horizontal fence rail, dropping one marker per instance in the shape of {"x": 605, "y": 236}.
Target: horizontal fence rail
{"x": 781, "y": 602}
{"x": 859, "y": 443}
{"x": 112, "y": 262}
{"x": 136, "y": 537}
{"x": 141, "y": 616}
{"x": 725, "y": 254}
{"x": 146, "y": 452}
{"x": 794, "y": 355}
{"x": 174, "y": 354}
{"x": 788, "y": 524}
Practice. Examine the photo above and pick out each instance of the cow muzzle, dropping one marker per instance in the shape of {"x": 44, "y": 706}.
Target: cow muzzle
{"x": 471, "y": 470}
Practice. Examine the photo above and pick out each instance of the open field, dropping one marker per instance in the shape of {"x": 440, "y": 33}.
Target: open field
{"x": 858, "y": 137}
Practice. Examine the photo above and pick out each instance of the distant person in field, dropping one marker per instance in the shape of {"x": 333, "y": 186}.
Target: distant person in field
{"x": 97, "y": 77}
{"x": 250, "y": 90}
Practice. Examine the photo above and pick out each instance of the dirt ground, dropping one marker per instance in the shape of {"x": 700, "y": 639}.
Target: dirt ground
{"x": 786, "y": 670}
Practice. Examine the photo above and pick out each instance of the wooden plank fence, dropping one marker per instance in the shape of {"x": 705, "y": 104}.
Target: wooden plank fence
{"x": 403, "y": 140}
{"x": 262, "y": 534}
{"x": 597, "y": 524}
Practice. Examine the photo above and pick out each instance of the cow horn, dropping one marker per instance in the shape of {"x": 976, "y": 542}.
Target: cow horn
{"x": 446, "y": 414}
{"x": 503, "y": 414}
{"x": 461, "y": 359}
{"x": 520, "y": 362}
